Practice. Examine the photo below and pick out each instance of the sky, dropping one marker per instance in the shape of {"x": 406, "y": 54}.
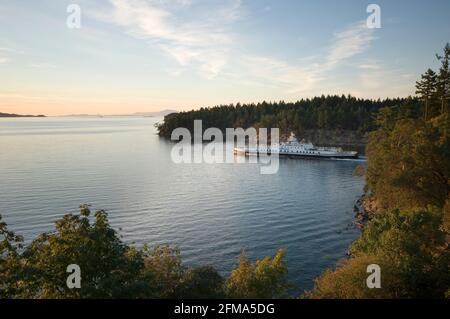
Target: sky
{"x": 148, "y": 55}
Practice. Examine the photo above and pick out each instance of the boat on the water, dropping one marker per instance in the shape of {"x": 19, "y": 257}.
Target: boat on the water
{"x": 295, "y": 148}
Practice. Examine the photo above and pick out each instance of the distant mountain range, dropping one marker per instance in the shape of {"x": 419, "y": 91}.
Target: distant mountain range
{"x": 18, "y": 115}
{"x": 160, "y": 113}
{"x": 137, "y": 114}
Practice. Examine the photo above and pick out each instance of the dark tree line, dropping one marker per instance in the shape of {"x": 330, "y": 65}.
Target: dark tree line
{"x": 322, "y": 113}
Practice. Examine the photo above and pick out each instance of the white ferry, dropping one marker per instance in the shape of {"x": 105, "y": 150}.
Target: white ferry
{"x": 298, "y": 149}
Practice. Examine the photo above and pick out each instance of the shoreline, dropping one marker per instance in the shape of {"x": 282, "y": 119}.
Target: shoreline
{"x": 362, "y": 213}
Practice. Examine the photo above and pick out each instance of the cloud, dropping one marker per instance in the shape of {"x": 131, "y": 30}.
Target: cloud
{"x": 277, "y": 73}
{"x": 197, "y": 35}
{"x": 202, "y": 41}
{"x": 308, "y": 77}
{"x": 376, "y": 77}
{"x": 4, "y": 60}
{"x": 42, "y": 65}
{"x": 7, "y": 52}
{"x": 11, "y": 50}
{"x": 369, "y": 66}
{"x": 354, "y": 40}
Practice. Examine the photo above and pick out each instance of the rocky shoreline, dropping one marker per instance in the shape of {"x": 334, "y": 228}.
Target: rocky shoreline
{"x": 364, "y": 208}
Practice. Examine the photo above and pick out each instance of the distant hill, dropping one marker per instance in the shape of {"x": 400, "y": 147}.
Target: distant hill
{"x": 82, "y": 115}
{"x": 137, "y": 114}
{"x": 18, "y": 115}
{"x": 149, "y": 114}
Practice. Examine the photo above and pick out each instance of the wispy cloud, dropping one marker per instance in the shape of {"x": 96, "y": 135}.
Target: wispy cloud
{"x": 276, "y": 73}
{"x": 202, "y": 42}
{"x": 42, "y": 65}
{"x": 4, "y": 60}
{"x": 354, "y": 40}
{"x": 376, "y": 77}
{"x": 306, "y": 77}
{"x": 369, "y": 66}
{"x": 205, "y": 42}
{"x": 11, "y": 50}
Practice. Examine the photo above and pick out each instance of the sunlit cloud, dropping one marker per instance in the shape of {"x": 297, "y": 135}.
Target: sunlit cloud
{"x": 42, "y": 65}
{"x": 3, "y": 57}
{"x": 206, "y": 44}
{"x": 352, "y": 41}
{"x": 369, "y": 66}
{"x": 309, "y": 77}
{"x": 202, "y": 43}
{"x": 4, "y": 60}
{"x": 11, "y": 50}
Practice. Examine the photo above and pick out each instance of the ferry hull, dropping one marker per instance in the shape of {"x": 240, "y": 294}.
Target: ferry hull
{"x": 354, "y": 155}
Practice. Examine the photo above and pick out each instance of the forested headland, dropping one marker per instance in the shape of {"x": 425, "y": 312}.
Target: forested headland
{"x": 325, "y": 119}
{"x": 407, "y": 234}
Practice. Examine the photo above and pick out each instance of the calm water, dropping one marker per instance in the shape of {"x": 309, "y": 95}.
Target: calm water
{"x": 50, "y": 166}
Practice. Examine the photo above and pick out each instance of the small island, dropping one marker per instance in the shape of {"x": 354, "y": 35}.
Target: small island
{"x": 18, "y": 115}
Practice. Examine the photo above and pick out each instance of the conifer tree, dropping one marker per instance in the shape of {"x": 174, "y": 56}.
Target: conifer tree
{"x": 426, "y": 89}
{"x": 443, "y": 79}
{"x": 443, "y": 82}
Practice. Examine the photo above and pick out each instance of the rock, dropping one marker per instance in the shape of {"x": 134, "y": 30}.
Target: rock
{"x": 360, "y": 170}
{"x": 362, "y": 215}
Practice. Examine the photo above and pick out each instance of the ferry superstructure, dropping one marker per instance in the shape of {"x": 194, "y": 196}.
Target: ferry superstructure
{"x": 299, "y": 149}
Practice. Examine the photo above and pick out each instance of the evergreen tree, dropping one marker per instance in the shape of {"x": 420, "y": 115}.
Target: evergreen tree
{"x": 444, "y": 87}
{"x": 443, "y": 79}
{"x": 426, "y": 89}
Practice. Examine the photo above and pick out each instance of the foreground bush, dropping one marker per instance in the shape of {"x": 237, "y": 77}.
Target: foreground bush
{"x": 112, "y": 269}
{"x": 261, "y": 280}
{"x": 411, "y": 250}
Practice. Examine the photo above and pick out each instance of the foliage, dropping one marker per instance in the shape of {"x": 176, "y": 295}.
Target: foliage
{"x": 10, "y": 267}
{"x": 408, "y": 175}
{"x": 408, "y": 167}
{"x": 112, "y": 269}
{"x": 348, "y": 281}
{"x": 201, "y": 283}
{"x": 411, "y": 252}
{"x": 263, "y": 279}
{"x": 413, "y": 244}
{"x": 446, "y": 216}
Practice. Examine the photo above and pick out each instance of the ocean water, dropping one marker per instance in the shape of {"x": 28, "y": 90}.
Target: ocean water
{"x": 49, "y": 166}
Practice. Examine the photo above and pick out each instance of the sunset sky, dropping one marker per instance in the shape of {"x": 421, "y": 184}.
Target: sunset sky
{"x": 148, "y": 55}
